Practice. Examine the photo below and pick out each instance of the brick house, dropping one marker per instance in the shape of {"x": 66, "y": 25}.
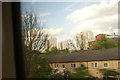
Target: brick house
{"x": 92, "y": 59}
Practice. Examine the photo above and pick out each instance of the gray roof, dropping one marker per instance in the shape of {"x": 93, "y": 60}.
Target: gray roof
{"x": 82, "y": 56}
{"x": 114, "y": 37}
{"x": 91, "y": 40}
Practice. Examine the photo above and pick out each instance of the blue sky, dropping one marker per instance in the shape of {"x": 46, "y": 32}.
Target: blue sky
{"x": 64, "y": 19}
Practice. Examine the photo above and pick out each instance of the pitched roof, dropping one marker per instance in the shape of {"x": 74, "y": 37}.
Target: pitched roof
{"x": 88, "y": 55}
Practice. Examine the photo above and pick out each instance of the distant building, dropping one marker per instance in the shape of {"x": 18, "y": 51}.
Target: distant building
{"x": 62, "y": 45}
{"x": 90, "y": 43}
{"x": 82, "y": 40}
{"x": 112, "y": 37}
{"x": 100, "y": 35}
{"x": 68, "y": 44}
{"x": 51, "y": 42}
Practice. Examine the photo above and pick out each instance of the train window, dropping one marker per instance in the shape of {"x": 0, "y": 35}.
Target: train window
{"x": 50, "y": 33}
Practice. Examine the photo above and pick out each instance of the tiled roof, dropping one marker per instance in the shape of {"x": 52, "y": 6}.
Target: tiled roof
{"x": 82, "y": 56}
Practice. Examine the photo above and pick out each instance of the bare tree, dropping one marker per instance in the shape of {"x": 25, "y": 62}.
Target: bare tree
{"x": 34, "y": 37}
{"x": 71, "y": 46}
{"x": 33, "y": 32}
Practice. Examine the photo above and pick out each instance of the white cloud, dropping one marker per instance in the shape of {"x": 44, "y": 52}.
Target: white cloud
{"x": 93, "y": 11}
{"x": 101, "y": 24}
{"x": 54, "y": 32}
{"x": 100, "y": 18}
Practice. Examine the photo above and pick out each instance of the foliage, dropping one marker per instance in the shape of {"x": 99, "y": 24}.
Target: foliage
{"x": 81, "y": 72}
{"x": 61, "y": 75}
{"x": 54, "y": 50}
{"x": 39, "y": 67}
{"x": 104, "y": 43}
{"x": 108, "y": 72}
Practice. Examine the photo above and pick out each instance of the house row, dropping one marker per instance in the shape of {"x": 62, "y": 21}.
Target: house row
{"x": 92, "y": 59}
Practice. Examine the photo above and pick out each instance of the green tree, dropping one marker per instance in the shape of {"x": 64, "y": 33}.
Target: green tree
{"x": 60, "y": 75}
{"x": 104, "y": 43}
{"x": 54, "y": 50}
{"x": 39, "y": 67}
{"x": 108, "y": 72}
{"x": 81, "y": 72}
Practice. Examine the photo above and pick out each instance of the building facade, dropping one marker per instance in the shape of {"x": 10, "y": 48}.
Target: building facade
{"x": 51, "y": 42}
{"x": 97, "y": 37}
{"x": 82, "y": 40}
{"x": 93, "y": 60}
{"x": 67, "y": 44}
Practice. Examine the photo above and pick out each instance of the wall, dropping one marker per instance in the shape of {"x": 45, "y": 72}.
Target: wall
{"x": 8, "y": 65}
{"x": 113, "y": 64}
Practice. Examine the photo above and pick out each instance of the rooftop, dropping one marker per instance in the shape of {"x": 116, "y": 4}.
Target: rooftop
{"x": 83, "y": 56}
{"x": 115, "y": 37}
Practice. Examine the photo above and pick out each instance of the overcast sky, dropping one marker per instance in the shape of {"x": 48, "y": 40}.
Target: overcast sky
{"x": 65, "y": 19}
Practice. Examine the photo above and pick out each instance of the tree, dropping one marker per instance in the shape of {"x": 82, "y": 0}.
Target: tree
{"x": 34, "y": 38}
{"x": 104, "y": 43}
{"x": 81, "y": 72}
{"x": 40, "y": 67}
{"x": 108, "y": 72}
{"x": 60, "y": 73}
{"x": 33, "y": 32}
{"x": 54, "y": 50}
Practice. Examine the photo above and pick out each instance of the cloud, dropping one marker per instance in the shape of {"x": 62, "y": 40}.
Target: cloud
{"x": 101, "y": 24}
{"x": 99, "y": 18}
{"x": 54, "y": 32}
{"x": 93, "y": 11}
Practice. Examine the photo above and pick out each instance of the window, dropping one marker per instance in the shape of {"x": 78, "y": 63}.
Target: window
{"x": 63, "y": 66}
{"x": 82, "y": 65}
{"x": 73, "y": 65}
{"x": 94, "y": 65}
{"x": 105, "y": 64}
{"x": 118, "y": 64}
{"x": 56, "y": 65}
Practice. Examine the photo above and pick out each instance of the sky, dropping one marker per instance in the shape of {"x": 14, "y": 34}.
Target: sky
{"x": 64, "y": 19}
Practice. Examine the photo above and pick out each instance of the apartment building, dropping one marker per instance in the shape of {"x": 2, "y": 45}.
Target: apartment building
{"x": 51, "y": 42}
{"x": 82, "y": 39}
{"x": 67, "y": 44}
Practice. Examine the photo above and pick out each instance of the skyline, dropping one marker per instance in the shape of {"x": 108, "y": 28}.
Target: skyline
{"x": 65, "y": 19}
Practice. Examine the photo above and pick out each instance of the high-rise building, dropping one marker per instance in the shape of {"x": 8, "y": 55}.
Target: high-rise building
{"x": 63, "y": 45}
{"x": 67, "y": 44}
{"x": 82, "y": 40}
{"x": 59, "y": 46}
{"x": 51, "y": 42}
